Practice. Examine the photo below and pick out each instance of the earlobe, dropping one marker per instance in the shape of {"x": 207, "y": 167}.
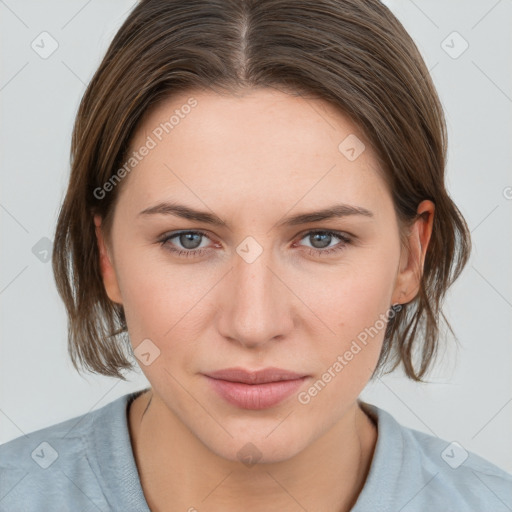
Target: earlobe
{"x": 107, "y": 270}
{"x": 412, "y": 259}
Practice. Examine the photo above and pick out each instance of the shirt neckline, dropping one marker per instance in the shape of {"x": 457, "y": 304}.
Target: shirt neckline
{"x": 114, "y": 458}
{"x": 119, "y": 478}
{"x": 388, "y": 450}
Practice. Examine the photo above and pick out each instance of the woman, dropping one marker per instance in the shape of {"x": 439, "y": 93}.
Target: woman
{"x": 257, "y": 210}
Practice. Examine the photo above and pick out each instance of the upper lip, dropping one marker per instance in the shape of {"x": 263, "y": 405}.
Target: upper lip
{"x": 254, "y": 377}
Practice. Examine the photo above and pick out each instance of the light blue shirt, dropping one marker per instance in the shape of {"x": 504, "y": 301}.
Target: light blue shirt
{"x": 86, "y": 464}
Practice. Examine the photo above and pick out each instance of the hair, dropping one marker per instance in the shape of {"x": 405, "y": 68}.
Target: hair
{"x": 354, "y": 55}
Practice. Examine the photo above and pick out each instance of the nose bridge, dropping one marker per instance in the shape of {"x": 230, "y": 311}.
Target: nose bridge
{"x": 256, "y": 301}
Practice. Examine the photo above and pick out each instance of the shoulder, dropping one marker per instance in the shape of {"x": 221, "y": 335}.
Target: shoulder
{"x": 42, "y": 446}
{"x": 455, "y": 471}
{"x": 55, "y": 466}
{"x": 422, "y": 469}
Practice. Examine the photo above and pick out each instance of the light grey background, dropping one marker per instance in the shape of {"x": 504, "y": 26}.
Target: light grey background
{"x": 470, "y": 399}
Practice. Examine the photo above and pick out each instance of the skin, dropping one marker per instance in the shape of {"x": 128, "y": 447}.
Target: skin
{"x": 254, "y": 159}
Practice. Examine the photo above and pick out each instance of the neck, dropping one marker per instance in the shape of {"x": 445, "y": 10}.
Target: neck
{"x": 178, "y": 472}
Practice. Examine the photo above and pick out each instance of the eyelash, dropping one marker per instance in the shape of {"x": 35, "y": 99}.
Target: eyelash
{"x": 345, "y": 239}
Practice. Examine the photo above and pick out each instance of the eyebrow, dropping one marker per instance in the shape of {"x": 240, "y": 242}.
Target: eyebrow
{"x": 185, "y": 212}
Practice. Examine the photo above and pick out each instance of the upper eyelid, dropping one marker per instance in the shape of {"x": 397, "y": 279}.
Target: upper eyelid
{"x": 339, "y": 234}
{"x": 319, "y": 230}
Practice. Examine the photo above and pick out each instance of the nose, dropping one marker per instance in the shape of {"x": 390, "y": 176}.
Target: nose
{"x": 257, "y": 307}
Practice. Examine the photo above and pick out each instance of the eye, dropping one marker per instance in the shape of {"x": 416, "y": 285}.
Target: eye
{"x": 322, "y": 239}
{"x": 190, "y": 242}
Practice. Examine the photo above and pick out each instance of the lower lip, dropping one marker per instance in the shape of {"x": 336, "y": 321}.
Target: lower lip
{"x": 255, "y": 396}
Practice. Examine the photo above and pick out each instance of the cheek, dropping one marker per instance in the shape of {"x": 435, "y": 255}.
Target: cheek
{"x": 354, "y": 303}
{"x": 357, "y": 291}
{"x": 161, "y": 299}
{"x": 356, "y": 312}
{"x": 361, "y": 302}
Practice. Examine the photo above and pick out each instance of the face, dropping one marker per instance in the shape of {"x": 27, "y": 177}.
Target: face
{"x": 256, "y": 289}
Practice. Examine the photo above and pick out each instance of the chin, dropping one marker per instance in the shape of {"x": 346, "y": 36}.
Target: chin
{"x": 266, "y": 445}
{"x": 249, "y": 453}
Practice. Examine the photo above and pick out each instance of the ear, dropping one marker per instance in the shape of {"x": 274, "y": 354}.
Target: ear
{"x": 107, "y": 270}
{"x": 412, "y": 259}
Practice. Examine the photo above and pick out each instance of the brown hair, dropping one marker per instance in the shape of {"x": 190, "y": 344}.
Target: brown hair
{"x": 355, "y": 55}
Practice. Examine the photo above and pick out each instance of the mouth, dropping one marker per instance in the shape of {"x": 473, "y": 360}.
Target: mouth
{"x": 255, "y": 390}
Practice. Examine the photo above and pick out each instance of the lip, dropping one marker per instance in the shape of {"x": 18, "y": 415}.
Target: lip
{"x": 260, "y": 389}
{"x": 270, "y": 374}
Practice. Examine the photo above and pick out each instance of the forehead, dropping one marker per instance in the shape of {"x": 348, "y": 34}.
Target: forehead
{"x": 259, "y": 146}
